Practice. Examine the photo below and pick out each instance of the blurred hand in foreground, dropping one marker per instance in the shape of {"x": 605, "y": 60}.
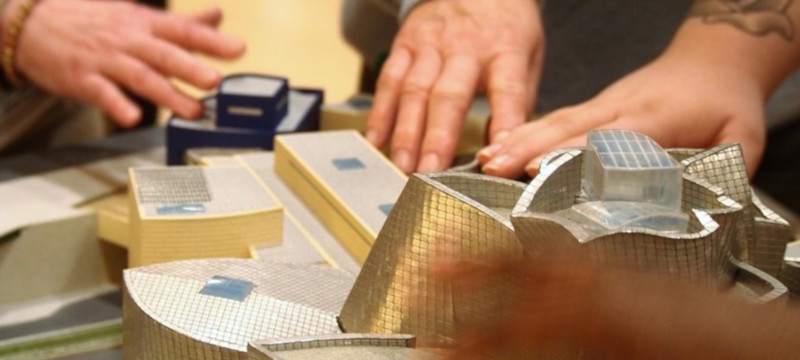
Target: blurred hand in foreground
{"x": 92, "y": 50}
{"x": 619, "y": 314}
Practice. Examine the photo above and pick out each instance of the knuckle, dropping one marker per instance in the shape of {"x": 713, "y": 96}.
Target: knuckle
{"x": 144, "y": 77}
{"x": 182, "y": 32}
{"x": 507, "y": 87}
{"x": 415, "y": 89}
{"x": 390, "y": 78}
{"x": 453, "y": 98}
{"x": 404, "y": 137}
{"x": 436, "y": 139}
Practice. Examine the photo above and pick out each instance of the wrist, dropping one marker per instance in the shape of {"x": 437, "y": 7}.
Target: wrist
{"x": 7, "y": 16}
{"x": 406, "y": 6}
{"x": 758, "y": 62}
{"x": 14, "y": 17}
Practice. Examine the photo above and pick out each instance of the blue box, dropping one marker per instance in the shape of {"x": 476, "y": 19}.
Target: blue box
{"x": 251, "y": 101}
{"x": 303, "y": 114}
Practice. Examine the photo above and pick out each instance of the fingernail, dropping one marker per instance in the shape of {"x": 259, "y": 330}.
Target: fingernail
{"x": 194, "y": 110}
{"x": 496, "y": 164}
{"x": 132, "y": 115}
{"x": 239, "y": 47}
{"x": 430, "y": 162}
{"x": 501, "y": 135}
{"x": 372, "y": 137}
{"x": 533, "y": 167}
{"x": 402, "y": 159}
{"x": 488, "y": 152}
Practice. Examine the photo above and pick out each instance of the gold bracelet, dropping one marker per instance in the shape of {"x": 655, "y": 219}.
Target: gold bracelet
{"x": 11, "y": 39}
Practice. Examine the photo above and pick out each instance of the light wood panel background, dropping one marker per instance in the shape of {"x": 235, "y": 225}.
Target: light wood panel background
{"x": 298, "y": 39}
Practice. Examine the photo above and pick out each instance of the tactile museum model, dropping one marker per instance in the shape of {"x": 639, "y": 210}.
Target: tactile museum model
{"x": 685, "y": 212}
{"x": 247, "y": 112}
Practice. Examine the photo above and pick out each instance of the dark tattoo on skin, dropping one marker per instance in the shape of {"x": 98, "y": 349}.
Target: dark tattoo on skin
{"x": 757, "y": 17}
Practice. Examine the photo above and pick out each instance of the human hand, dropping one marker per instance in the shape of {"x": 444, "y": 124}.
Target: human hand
{"x": 91, "y": 50}
{"x": 617, "y": 314}
{"x": 552, "y": 304}
{"x": 676, "y": 100}
{"x": 445, "y": 52}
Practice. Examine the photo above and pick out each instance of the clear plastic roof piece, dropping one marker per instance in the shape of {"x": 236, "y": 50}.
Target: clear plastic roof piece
{"x": 623, "y": 165}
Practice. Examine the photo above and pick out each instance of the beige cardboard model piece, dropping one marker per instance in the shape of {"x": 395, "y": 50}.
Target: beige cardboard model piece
{"x": 43, "y": 222}
{"x": 344, "y": 180}
{"x": 199, "y": 212}
{"x": 353, "y": 114}
{"x": 305, "y": 239}
{"x": 112, "y": 218}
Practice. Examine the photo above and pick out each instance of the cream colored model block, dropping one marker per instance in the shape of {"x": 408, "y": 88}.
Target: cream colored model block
{"x": 347, "y": 183}
{"x": 50, "y": 258}
{"x": 306, "y": 240}
{"x": 199, "y": 212}
{"x": 112, "y": 218}
{"x": 353, "y": 114}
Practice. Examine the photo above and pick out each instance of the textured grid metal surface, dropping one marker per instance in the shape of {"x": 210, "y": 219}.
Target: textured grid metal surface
{"x": 628, "y": 150}
{"x": 724, "y": 211}
{"x": 724, "y": 167}
{"x": 773, "y": 234}
{"x": 682, "y": 154}
{"x": 702, "y": 254}
{"x": 453, "y": 217}
{"x": 394, "y": 293}
{"x": 790, "y": 276}
{"x": 341, "y": 353}
{"x": 171, "y": 186}
{"x": 165, "y": 313}
{"x": 341, "y": 340}
{"x": 763, "y": 287}
{"x": 562, "y": 176}
{"x": 333, "y": 347}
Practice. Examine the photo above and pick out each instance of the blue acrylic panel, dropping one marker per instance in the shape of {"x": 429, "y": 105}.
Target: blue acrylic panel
{"x": 227, "y": 288}
{"x": 386, "y": 209}
{"x": 351, "y": 163}
{"x": 181, "y": 209}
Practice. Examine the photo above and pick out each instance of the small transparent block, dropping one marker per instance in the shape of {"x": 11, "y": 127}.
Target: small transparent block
{"x": 622, "y": 165}
{"x": 613, "y": 215}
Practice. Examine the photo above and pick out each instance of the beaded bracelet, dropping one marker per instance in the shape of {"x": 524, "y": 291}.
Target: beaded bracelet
{"x": 11, "y": 39}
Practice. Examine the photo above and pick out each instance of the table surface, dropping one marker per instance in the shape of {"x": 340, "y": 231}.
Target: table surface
{"x": 299, "y": 39}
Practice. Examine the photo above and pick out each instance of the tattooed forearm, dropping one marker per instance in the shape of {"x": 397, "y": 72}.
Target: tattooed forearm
{"x": 757, "y": 17}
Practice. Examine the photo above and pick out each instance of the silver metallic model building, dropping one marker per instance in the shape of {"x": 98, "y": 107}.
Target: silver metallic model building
{"x": 689, "y": 213}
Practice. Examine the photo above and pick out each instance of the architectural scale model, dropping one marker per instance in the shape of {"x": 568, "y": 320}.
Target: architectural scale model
{"x": 685, "y": 212}
{"x": 344, "y": 180}
{"x": 247, "y": 112}
{"x": 191, "y": 212}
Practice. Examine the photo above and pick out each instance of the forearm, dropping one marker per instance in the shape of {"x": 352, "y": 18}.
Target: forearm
{"x": 749, "y": 42}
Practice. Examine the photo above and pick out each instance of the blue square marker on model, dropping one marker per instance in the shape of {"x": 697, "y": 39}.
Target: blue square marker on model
{"x": 227, "y": 288}
{"x": 348, "y": 164}
{"x": 386, "y": 209}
